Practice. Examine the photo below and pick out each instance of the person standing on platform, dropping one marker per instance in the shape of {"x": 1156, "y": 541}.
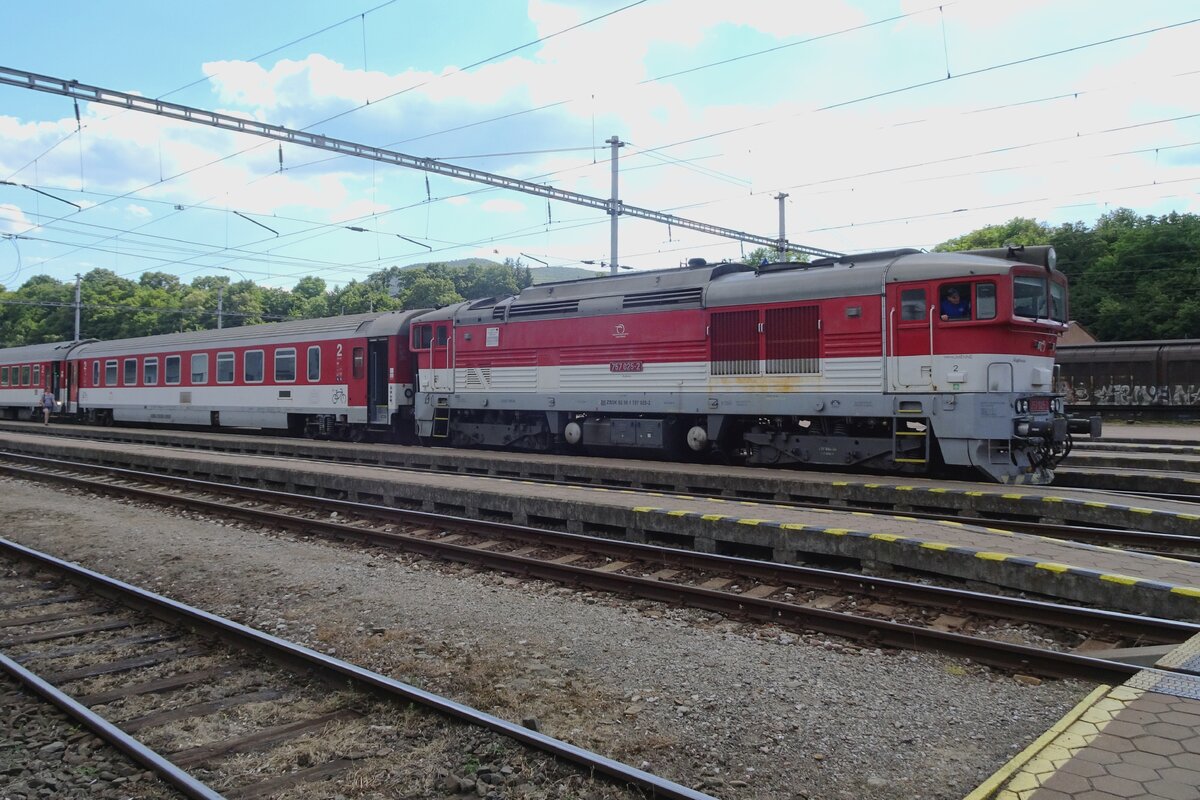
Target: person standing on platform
{"x": 47, "y": 405}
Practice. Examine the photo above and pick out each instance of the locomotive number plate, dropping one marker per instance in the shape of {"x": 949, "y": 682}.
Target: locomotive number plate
{"x": 625, "y": 366}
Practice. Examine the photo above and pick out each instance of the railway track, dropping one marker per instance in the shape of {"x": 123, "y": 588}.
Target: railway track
{"x": 881, "y": 611}
{"x": 151, "y": 676}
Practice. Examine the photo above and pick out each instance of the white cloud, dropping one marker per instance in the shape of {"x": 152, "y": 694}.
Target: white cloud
{"x": 140, "y": 212}
{"x": 502, "y": 206}
{"x": 13, "y": 219}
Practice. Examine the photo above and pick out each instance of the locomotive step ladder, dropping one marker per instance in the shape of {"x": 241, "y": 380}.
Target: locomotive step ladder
{"x": 910, "y": 446}
{"x": 441, "y": 422}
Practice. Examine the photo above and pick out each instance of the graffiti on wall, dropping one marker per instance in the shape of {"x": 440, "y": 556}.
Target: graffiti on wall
{"x": 1125, "y": 394}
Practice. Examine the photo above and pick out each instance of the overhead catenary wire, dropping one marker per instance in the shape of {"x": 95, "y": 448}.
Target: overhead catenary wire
{"x": 1024, "y": 60}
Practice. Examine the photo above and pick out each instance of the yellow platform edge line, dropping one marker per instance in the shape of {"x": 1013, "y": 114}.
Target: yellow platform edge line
{"x": 993, "y": 784}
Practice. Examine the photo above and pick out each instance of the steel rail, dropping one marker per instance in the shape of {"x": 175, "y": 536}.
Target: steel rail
{"x": 160, "y": 766}
{"x": 247, "y": 637}
{"x": 1000, "y": 654}
{"x": 1133, "y": 626}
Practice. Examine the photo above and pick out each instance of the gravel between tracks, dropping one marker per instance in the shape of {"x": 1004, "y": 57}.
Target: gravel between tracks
{"x": 737, "y": 710}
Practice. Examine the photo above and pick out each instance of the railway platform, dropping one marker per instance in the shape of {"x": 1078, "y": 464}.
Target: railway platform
{"x": 896, "y": 493}
{"x": 1139, "y": 740}
{"x": 761, "y": 529}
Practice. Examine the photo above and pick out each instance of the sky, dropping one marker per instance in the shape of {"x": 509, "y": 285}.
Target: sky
{"x": 887, "y": 124}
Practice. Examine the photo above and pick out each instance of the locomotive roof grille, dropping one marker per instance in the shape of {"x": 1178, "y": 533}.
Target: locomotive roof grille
{"x": 663, "y": 298}
{"x": 543, "y": 309}
{"x": 855, "y": 258}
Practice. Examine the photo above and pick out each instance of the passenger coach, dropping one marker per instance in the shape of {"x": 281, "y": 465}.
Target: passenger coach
{"x": 336, "y": 377}
{"x": 26, "y": 372}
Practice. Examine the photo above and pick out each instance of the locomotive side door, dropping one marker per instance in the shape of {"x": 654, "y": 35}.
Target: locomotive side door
{"x": 441, "y": 368}
{"x": 378, "y": 407}
{"x": 910, "y": 340}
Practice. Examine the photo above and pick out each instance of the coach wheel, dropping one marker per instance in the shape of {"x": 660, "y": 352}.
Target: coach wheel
{"x": 697, "y": 439}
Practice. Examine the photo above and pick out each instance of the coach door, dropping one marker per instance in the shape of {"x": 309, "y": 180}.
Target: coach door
{"x": 378, "y": 410}
{"x": 910, "y": 340}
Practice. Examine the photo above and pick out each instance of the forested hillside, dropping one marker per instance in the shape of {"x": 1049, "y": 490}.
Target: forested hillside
{"x": 42, "y": 309}
{"x": 1131, "y": 278}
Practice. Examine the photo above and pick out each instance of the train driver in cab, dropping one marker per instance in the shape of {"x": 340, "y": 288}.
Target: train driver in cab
{"x": 955, "y": 304}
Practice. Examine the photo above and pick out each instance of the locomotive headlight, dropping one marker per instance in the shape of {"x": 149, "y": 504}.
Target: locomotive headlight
{"x": 1022, "y": 406}
{"x": 1058, "y": 405}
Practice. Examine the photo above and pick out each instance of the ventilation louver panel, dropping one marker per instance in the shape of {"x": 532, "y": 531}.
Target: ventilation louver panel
{"x": 667, "y": 297}
{"x": 734, "y": 336}
{"x": 544, "y": 309}
{"x": 792, "y": 340}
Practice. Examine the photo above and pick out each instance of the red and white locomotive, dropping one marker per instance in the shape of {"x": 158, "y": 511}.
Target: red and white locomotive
{"x": 855, "y": 361}
{"x": 843, "y": 361}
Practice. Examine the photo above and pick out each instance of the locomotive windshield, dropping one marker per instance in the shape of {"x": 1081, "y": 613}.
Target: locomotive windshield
{"x": 1032, "y": 299}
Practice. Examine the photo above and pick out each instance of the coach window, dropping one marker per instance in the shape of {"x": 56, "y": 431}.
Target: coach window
{"x": 253, "y": 365}
{"x": 314, "y": 364}
{"x": 3, "y": 376}
{"x": 150, "y": 371}
{"x": 225, "y": 367}
{"x": 359, "y": 360}
{"x": 130, "y": 376}
{"x": 110, "y": 373}
{"x": 285, "y": 365}
{"x": 912, "y": 305}
{"x": 174, "y": 367}
{"x": 985, "y": 301}
{"x": 37, "y": 374}
{"x": 199, "y": 368}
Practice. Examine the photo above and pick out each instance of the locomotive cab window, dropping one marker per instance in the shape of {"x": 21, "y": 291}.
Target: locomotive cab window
{"x": 130, "y": 370}
{"x": 1029, "y": 297}
{"x": 225, "y": 367}
{"x": 912, "y": 305}
{"x": 252, "y": 366}
{"x": 985, "y": 300}
{"x": 285, "y": 365}
{"x": 1058, "y": 302}
{"x": 199, "y": 367}
{"x": 422, "y": 337}
{"x": 314, "y": 364}
{"x": 110, "y": 373}
{"x": 150, "y": 371}
{"x": 174, "y": 368}
{"x": 442, "y": 335}
{"x": 954, "y": 301}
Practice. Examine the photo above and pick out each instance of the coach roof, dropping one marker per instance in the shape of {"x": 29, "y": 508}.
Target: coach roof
{"x": 51, "y": 351}
{"x": 274, "y": 333}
